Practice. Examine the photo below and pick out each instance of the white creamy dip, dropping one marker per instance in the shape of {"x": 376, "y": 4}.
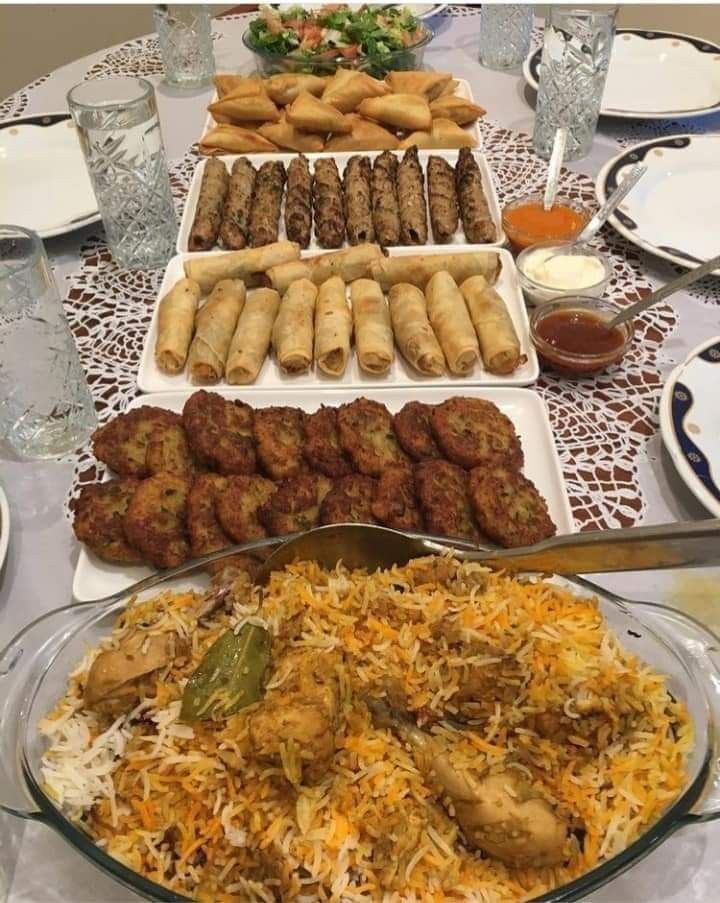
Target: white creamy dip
{"x": 564, "y": 272}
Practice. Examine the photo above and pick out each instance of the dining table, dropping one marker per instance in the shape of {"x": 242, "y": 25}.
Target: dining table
{"x": 606, "y": 428}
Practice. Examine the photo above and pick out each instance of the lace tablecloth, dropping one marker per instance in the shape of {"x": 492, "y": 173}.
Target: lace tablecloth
{"x": 606, "y": 429}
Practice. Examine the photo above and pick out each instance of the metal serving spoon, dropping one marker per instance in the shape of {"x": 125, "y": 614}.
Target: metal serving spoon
{"x": 677, "y": 545}
{"x": 685, "y": 544}
{"x": 662, "y": 293}
{"x": 608, "y": 208}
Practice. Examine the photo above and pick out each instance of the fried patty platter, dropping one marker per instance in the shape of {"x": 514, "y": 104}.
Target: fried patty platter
{"x": 222, "y": 472}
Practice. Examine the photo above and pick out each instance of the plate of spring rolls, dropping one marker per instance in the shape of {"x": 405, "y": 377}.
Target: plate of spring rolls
{"x": 448, "y": 197}
{"x": 347, "y": 111}
{"x": 276, "y": 317}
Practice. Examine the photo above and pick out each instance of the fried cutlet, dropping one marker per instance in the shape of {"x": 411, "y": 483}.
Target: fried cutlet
{"x": 99, "y": 514}
{"x": 508, "y": 506}
{"x": 279, "y": 439}
{"x": 442, "y": 490}
{"x": 366, "y": 434}
{"x": 220, "y": 432}
{"x": 237, "y": 506}
{"x": 206, "y": 534}
{"x": 122, "y": 443}
{"x": 295, "y": 504}
{"x": 412, "y": 427}
{"x": 156, "y": 518}
{"x": 349, "y": 501}
{"x": 322, "y": 444}
{"x": 168, "y": 452}
{"x": 395, "y": 504}
{"x": 473, "y": 432}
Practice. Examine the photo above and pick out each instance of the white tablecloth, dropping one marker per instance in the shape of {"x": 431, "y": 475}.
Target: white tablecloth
{"x": 43, "y": 551}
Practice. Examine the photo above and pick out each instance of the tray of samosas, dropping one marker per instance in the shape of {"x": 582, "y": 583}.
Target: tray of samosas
{"x": 391, "y": 197}
{"x": 278, "y": 317}
{"x": 347, "y": 111}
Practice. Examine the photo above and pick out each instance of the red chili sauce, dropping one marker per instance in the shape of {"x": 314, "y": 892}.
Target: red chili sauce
{"x": 579, "y": 332}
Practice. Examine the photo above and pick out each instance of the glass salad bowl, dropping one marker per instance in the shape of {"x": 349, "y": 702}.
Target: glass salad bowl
{"x": 35, "y": 665}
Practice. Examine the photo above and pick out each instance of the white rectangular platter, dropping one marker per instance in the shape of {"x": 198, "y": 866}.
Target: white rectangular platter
{"x": 462, "y": 90}
{"x": 95, "y": 578}
{"x": 341, "y": 159}
{"x": 151, "y": 379}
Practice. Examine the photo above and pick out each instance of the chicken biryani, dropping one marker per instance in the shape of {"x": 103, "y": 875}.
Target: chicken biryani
{"x": 429, "y": 732}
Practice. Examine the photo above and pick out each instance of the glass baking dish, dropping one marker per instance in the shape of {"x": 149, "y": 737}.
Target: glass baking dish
{"x": 35, "y": 665}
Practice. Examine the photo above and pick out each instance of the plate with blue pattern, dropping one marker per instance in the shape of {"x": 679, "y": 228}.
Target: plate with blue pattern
{"x": 690, "y": 422}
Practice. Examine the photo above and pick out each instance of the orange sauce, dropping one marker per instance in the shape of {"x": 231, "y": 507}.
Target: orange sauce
{"x": 529, "y": 224}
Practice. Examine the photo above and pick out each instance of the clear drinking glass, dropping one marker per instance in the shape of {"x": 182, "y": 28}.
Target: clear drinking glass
{"x": 505, "y": 34}
{"x": 119, "y": 130}
{"x": 185, "y": 43}
{"x": 575, "y": 58}
{"x": 46, "y": 408}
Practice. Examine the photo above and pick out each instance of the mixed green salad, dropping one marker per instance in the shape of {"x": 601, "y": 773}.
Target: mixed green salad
{"x": 335, "y": 31}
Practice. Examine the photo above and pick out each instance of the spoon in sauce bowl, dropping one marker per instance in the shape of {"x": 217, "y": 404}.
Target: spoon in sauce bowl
{"x": 608, "y": 208}
{"x": 668, "y": 289}
{"x": 554, "y": 166}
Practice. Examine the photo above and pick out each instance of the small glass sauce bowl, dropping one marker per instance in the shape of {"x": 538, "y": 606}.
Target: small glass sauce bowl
{"x": 570, "y": 337}
{"x": 540, "y": 293}
{"x": 548, "y": 229}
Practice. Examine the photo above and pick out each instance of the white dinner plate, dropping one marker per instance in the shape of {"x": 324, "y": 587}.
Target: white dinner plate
{"x": 95, "y": 578}
{"x": 654, "y": 75}
{"x": 674, "y": 211}
{"x": 151, "y": 379}
{"x": 341, "y": 159}
{"x": 690, "y": 422}
{"x": 4, "y": 526}
{"x": 44, "y": 182}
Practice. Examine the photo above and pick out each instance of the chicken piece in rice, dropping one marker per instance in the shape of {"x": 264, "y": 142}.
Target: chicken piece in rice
{"x": 296, "y": 722}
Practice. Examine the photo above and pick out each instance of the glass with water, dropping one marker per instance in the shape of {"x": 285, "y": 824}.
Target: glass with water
{"x": 46, "y": 408}
{"x": 576, "y": 54}
{"x": 119, "y": 130}
{"x": 185, "y": 37}
{"x": 505, "y": 30}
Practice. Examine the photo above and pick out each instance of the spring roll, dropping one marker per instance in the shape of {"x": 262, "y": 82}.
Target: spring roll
{"x": 266, "y": 201}
{"x": 373, "y": 329}
{"x": 350, "y": 264}
{"x": 209, "y": 210}
{"x": 236, "y": 215}
{"x": 417, "y": 269}
{"x": 298, "y": 202}
{"x": 411, "y": 192}
{"x": 499, "y": 343}
{"x": 413, "y": 333}
{"x": 210, "y": 269}
{"x": 284, "y": 274}
{"x": 249, "y": 346}
{"x": 176, "y": 320}
{"x": 356, "y": 190}
{"x": 385, "y": 207}
{"x": 476, "y": 216}
{"x": 333, "y": 327}
{"x": 292, "y": 335}
{"x": 328, "y": 204}
{"x": 215, "y": 324}
{"x": 451, "y": 323}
